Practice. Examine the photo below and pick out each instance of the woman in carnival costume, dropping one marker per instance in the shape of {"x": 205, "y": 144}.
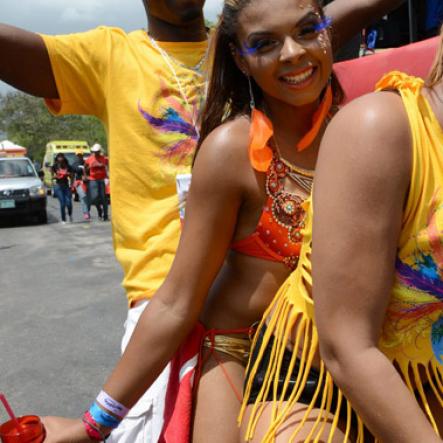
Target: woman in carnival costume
{"x": 242, "y": 232}
{"x": 369, "y": 367}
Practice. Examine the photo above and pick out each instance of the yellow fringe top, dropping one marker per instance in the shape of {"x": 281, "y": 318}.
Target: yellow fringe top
{"x": 412, "y": 335}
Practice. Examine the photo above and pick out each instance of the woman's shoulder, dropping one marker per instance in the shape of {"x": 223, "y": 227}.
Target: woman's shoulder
{"x": 229, "y": 141}
{"x": 371, "y": 133}
{"x": 378, "y": 118}
{"x": 384, "y": 110}
{"x": 223, "y": 156}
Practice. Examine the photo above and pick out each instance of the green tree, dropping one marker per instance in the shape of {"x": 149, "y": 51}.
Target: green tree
{"x": 27, "y": 122}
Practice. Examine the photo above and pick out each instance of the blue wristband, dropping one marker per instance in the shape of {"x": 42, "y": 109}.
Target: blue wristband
{"x": 103, "y": 418}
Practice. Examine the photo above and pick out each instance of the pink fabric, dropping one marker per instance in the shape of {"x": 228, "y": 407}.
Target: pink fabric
{"x": 186, "y": 367}
{"x": 359, "y": 76}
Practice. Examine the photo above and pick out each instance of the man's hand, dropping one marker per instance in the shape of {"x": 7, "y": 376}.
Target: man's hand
{"x": 65, "y": 430}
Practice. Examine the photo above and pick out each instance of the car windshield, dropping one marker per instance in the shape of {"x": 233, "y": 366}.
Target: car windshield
{"x": 16, "y": 168}
{"x": 71, "y": 157}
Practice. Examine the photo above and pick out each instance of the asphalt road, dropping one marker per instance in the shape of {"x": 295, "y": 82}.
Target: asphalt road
{"x": 62, "y": 310}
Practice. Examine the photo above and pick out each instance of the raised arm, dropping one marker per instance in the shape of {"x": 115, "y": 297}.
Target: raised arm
{"x": 351, "y": 16}
{"x": 360, "y": 188}
{"x": 211, "y": 216}
{"x": 25, "y": 62}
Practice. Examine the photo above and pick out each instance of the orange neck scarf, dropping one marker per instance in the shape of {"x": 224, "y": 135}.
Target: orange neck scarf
{"x": 260, "y": 154}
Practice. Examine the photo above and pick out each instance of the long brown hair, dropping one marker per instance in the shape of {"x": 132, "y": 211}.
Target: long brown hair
{"x": 228, "y": 92}
{"x": 436, "y": 74}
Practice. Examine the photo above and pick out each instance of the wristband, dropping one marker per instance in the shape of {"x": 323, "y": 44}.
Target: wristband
{"x": 103, "y": 418}
{"x": 92, "y": 429}
{"x": 105, "y": 400}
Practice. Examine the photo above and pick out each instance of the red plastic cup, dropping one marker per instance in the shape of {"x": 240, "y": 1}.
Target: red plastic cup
{"x": 32, "y": 430}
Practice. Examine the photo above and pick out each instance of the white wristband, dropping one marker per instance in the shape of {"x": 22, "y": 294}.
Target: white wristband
{"x": 112, "y": 405}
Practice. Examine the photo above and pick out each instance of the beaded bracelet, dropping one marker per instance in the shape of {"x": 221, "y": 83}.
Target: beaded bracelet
{"x": 92, "y": 429}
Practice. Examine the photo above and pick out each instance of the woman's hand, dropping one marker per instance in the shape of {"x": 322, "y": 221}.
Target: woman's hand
{"x": 65, "y": 430}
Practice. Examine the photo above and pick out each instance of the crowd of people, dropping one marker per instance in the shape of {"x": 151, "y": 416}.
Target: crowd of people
{"x": 234, "y": 313}
{"x": 85, "y": 177}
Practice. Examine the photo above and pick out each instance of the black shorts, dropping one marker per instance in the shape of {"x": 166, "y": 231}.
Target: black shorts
{"x": 311, "y": 382}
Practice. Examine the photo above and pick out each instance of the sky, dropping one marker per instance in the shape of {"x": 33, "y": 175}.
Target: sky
{"x": 63, "y": 16}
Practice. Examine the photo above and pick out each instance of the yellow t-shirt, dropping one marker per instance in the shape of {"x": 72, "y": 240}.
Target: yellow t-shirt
{"x": 125, "y": 81}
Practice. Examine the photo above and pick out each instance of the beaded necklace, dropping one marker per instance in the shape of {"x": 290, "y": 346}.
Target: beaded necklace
{"x": 196, "y": 68}
{"x": 169, "y": 60}
{"x": 286, "y": 207}
{"x": 302, "y": 177}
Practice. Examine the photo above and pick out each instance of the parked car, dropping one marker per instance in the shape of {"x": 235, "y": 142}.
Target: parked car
{"x": 22, "y": 192}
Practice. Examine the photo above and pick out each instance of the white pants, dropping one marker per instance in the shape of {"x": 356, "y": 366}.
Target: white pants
{"x": 144, "y": 422}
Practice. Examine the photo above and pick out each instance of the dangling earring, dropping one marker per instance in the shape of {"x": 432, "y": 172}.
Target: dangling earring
{"x": 251, "y": 93}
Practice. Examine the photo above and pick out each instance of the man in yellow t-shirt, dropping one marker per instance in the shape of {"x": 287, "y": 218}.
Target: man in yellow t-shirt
{"x": 147, "y": 88}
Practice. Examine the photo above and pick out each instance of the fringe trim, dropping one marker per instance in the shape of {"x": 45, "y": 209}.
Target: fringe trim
{"x": 434, "y": 383}
{"x": 282, "y": 318}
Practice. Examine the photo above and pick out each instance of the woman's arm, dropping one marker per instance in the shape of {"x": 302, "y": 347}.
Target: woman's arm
{"x": 360, "y": 189}
{"x": 211, "y": 215}
{"x": 351, "y": 16}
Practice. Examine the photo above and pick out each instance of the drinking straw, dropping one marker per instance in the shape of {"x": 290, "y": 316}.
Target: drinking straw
{"x": 10, "y": 412}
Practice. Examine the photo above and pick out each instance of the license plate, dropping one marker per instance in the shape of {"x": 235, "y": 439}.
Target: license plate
{"x": 7, "y": 204}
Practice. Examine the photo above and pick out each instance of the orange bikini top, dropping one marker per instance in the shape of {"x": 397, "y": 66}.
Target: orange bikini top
{"x": 277, "y": 236}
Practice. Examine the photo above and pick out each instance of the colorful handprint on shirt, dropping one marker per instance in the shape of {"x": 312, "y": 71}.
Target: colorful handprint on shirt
{"x": 417, "y": 307}
{"x": 177, "y": 122}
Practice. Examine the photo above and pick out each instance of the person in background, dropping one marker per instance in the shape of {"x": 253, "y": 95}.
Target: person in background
{"x": 138, "y": 84}
{"x": 81, "y": 185}
{"x": 96, "y": 169}
{"x": 62, "y": 175}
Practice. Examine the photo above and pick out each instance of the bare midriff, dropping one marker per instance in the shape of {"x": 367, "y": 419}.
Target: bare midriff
{"x": 243, "y": 290}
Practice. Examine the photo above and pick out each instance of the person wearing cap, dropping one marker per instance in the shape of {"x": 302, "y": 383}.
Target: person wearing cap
{"x": 96, "y": 168}
{"x": 80, "y": 183}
